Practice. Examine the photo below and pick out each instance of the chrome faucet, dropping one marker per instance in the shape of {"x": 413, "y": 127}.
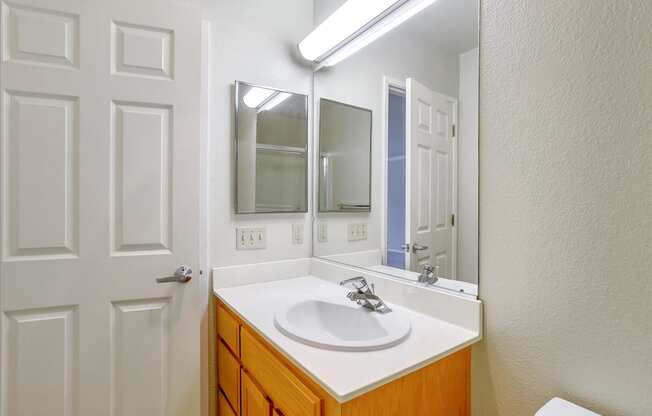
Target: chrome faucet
{"x": 429, "y": 274}
{"x": 364, "y": 295}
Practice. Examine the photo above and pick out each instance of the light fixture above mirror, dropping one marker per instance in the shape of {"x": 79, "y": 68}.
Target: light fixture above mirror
{"x": 354, "y": 25}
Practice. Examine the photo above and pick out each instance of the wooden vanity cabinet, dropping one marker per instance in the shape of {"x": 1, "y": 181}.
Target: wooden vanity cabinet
{"x": 255, "y": 379}
{"x": 254, "y": 402}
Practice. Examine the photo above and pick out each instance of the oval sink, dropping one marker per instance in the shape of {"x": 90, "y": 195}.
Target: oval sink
{"x": 340, "y": 327}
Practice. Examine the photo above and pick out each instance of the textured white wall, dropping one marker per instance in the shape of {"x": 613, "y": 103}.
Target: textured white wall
{"x": 566, "y": 206}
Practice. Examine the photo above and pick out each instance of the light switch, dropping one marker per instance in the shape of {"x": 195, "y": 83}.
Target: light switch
{"x": 297, "y": 233}
{"x": 250, "y": 238}
{"x": 356, "y": 231}
{"x": 322, "y": 232}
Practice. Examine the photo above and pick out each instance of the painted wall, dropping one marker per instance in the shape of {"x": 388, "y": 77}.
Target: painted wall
{"x": 252, "y": 41}
{"x": 566, "y": 206}
{"x": 467, "y": 168}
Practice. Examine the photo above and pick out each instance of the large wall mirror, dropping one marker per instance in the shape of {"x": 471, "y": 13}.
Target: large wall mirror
{"x": 271, "y": 143}
{"x": 419, "y": 85}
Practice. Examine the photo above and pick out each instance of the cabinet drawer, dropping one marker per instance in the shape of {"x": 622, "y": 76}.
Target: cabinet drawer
{"x": 228, "y": 329}
{"x": 287, "y": 392}
{"x": 254, "y": 402}
{"x": 228, "y": 375}
{"x": 224, "y": 406}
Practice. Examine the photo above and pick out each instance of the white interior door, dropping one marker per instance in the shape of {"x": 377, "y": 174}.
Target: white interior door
{"x": 100, "y": 191}
{"x": 430, "y": 167}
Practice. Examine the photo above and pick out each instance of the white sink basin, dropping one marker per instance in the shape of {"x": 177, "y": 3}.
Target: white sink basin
{"x": 340, "y": 327}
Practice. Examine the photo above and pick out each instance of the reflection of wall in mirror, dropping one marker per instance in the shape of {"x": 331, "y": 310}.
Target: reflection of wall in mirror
{"x": 246, "y": 167}
{"x": 280, "y": 166}
{"x": 467, "y": 198}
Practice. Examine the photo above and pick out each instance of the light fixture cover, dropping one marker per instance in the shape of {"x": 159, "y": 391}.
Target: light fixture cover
{"x": 256, "y": 96}
{"x": 349, "y": 19}
{"x": 274, "y": 101}
{"x": 344, "y": 22}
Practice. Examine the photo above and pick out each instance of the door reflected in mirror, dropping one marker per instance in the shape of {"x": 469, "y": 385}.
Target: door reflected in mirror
{"x": 271, "y": 150}
{"x": 420, "y": 80}
{"x": 344, "y": 157}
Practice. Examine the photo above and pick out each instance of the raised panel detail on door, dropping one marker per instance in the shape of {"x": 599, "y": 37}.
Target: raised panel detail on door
{"x": 40, "y": 36}
{"x": 39, "y": 362}
{"x": 142, "y": 51}
{"x": 443, "y": 194}
{"x": 139, "y": 357}
{"x": 254, "y": 402}
{"x": 424, "y": 118}
{"x": 141, "y": 178}
{"x": 40, "y": 195}
{"x": 442, "y": 124}
{"x": 424, "y": 201}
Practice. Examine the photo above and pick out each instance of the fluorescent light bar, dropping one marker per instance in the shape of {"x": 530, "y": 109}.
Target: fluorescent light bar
{"x": 390, "y": 22}
{"x": 256, "y": 96}
{"x": 276, "y": 100}
{"x": 320, "y": 41}
{"x": 344, "y": 22}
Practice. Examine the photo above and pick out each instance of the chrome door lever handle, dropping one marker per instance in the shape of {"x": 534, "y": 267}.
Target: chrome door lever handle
{"x": 418, "y": 247}
{"x": 182, "y": 275}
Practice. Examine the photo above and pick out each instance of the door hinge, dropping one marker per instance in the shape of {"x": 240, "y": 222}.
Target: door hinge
{"x": 453, "y": 128}
{"x": 452, "y": 220}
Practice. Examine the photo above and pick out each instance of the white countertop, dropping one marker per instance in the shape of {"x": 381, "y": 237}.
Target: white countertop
{"x": 343, "y": 374}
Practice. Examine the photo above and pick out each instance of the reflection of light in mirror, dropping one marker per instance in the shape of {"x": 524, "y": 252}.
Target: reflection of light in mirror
{"x": 256, "y": 96}
{"x": 344, "y": 22}
{"x": 276, "y": 100}
{"x": 397, "y": 17}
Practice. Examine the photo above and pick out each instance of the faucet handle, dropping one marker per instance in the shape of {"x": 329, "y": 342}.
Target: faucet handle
{"x": 428, "y": 268}
{"x": 358, "y": 282}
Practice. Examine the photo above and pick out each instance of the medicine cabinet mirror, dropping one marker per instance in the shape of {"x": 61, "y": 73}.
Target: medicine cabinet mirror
{"x": 344, "y": 157}
{"x": 271, "y": 142}
{"x": 420, "y": 82}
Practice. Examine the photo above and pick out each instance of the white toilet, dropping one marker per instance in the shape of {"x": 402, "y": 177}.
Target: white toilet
{"x": 560, "y": 407}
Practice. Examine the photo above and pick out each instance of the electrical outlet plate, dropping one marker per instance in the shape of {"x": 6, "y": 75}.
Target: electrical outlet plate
{"x": 297, "y": 233}
{"x": 322, "y": 232}
{"x": 250, "y": 238}
{"x": 356, "y": 231}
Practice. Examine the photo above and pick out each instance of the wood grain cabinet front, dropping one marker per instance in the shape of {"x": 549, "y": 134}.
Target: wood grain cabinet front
{"x": 288, "y": 393}
{"x": 228, "y": 375}
{"x": 229, "y": 330}
{"x": 254, "y": 402}
{"x": 224, "y": 408}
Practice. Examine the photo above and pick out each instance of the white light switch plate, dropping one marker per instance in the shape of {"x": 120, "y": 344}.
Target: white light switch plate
{"x": 297, "y": 233}
{"x": 250, "y": 238}
{"x": 356, "y": 231}
{"x": 322, "y": 232}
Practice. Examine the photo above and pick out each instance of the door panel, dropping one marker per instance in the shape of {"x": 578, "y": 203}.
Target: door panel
{"x": 430, "y": 168}
{"x": 254, "y": 402}
{"x": 99, "y": 151}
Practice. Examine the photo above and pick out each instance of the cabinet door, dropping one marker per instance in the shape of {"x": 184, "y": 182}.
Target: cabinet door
{"x": 228, "y": 374}
{"x": 254, "y": 403}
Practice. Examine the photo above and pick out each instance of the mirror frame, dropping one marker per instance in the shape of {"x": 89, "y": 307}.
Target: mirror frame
{"x": 318, "y": 157}
{"x": 237, "y": 86}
